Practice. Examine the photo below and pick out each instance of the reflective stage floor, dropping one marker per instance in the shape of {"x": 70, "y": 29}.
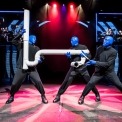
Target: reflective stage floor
{"x": 27, "y": 106}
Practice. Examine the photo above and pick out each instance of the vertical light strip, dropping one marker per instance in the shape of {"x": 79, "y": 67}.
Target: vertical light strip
{"x": 96, "y": 27}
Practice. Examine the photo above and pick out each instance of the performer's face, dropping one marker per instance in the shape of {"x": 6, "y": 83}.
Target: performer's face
{"x": 108, "y": 41}
{"x": 32, "y": 39}
{"x": 74, "y": 41}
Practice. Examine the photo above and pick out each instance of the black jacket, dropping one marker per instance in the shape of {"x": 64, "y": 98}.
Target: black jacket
{"x": 105, "y": 60}
{"x": 18, "y": 42}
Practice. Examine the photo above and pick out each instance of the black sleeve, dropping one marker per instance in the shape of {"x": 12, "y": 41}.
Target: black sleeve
{"x": 109, "y": 62}
{"x": 99, "y": 50}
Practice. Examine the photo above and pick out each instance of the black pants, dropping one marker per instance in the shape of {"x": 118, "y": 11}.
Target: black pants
{"x": 19, "y": 78}
{"x": 69, "y": 78}
{"x": 94, "y": 79}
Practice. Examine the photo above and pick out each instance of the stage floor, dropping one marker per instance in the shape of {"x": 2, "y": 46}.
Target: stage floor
{"x": 27, "y": 106}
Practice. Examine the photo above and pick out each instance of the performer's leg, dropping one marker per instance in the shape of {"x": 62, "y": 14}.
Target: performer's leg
{"x": 114, "y": 78}
{"x": 86, "y": 76}
{"x": 34, "y": 76}
{"x": 67, "y": 81}
{"x": 16, "y": 84}
{"x": 90, "y": 85}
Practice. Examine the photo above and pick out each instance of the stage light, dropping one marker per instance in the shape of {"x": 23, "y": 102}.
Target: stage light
{"x": 72, "y": 13}
{"x": 71, "y": 6}
{"x": 80, "y": 12}
{"x": 53, "y": 12}
{"x": 55, "y": 5}
{"x": 63, "y": 8}
{"x": 47, "y": 5}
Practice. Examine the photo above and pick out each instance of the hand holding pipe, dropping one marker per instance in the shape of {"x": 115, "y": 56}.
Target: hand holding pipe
{"x": 77, "y": 64}
{"x": 51, "y": 52}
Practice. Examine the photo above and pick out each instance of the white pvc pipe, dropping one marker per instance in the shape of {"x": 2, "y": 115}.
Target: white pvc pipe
{"x": 78, "y": 63}
{"x": 51, "y": 52}
{"x": 26, "y": 37}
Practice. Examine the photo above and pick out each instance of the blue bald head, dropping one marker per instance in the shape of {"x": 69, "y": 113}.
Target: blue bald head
{"x": 32, "y": 39}
{"x": 74, "y": 41}
{"x": 108, "y": 41}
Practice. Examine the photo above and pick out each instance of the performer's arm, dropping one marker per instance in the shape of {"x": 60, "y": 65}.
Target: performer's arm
{"x": 109, "y": 62}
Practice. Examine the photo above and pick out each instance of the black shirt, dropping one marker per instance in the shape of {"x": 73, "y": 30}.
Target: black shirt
{"x": 105, "y": 60}
{"x": 78, "y": 57}
{"x": 81, "y": 68}
{"x": 32, "y": 51}
{"x": 18, "y": 42}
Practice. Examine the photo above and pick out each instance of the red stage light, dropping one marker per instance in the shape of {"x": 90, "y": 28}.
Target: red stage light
{"x": 71, "y": 6}
{"x": 54, "y": 5}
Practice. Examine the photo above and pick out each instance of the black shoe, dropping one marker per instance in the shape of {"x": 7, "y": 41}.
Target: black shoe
{"x": 97, "y": 98}
{"x": 10, "y": 100}
{"x": 44, "y": 99}
{"x": 81, "y": 100}
{"x": 57, "y": 99}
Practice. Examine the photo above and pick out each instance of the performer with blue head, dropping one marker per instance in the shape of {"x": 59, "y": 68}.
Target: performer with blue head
{"x": 75, "y": 69}
{"x": 74, "y": 41}
{"x": 104, "y": 63}
{"x": 21, "y": 74}
{"x": 32, "y": 39}
{"x": 108, "y": 41}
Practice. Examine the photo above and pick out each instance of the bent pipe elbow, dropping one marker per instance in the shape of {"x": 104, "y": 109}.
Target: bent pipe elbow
{"x": 51, "y": 52}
